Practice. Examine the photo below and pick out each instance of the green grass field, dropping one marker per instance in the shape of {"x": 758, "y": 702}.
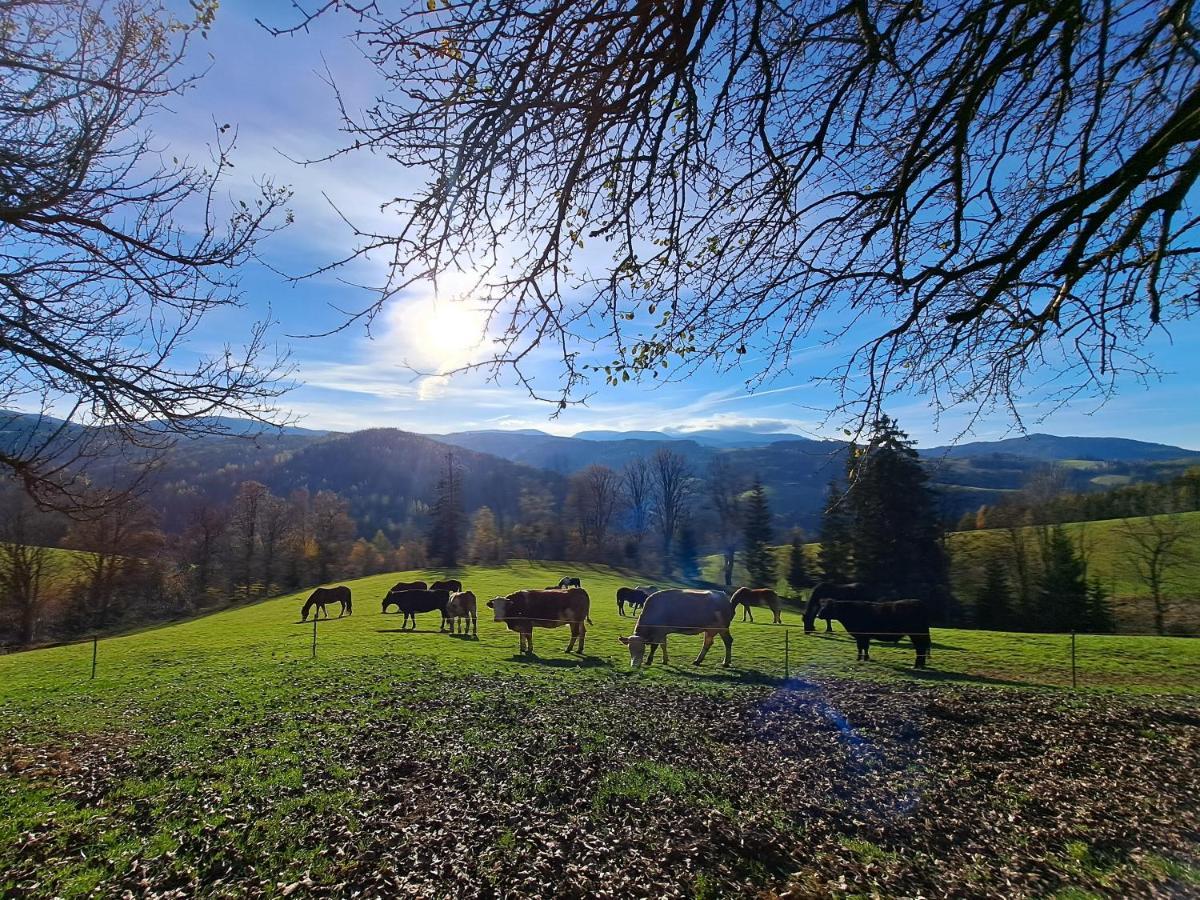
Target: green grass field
{"x": 206, "y": 747}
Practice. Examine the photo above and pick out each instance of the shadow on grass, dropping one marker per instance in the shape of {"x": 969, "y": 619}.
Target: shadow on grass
{"x": 464, "y": 637}
{"x": 843, "y": 638}
{"x": 941, "y": 676}
{"x": 747, "y": 677}
{"x": 411, "y": 631}
{"x": 322, "y": 619}
{"x": 578, "y": 662}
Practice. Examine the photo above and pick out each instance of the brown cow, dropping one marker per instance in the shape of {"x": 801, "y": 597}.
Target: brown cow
{"x": 746, "y": 597}
{"x": 522, "y": 611}
{"x": 462, "y": 608}
{"x": 450, "y": 584}
{"x": 681, "y": 612}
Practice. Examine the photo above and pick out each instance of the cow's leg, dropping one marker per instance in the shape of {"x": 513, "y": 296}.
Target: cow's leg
{"x": 778, "y": 616}
{"x": 650, "y": 658}
{"x": 727, "y": 638}
{"x": 708, "y": 640}
{"x": 474, "y": 625}
{"x": 574, "y": 636}
{"x": 582, "y": 636}
{"x": 621, "y": 608}
{"x": 664, "y": 646}
{"x": 829, "y": 626}
{"x": 921, "y": 642}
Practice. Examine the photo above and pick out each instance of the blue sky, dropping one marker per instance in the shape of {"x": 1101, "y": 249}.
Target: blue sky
{"x": 273, "y": 90}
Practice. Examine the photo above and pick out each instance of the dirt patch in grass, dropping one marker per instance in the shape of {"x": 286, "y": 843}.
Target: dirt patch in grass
{"x": 485, "y": 787}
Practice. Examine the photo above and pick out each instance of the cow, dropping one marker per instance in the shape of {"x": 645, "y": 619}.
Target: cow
{"x": 887, "y": 621}
{"x": 745, "y": 597}
{"x": 681, "y": 612}
{"x": 322, "y": 596}
{"x": 568, "y": 582}
{"x": 830, "y": 590}
{"x": 635, "y": 597}
{"x": 417, "y": 601}
{"x": 450, "y": 584}
{"x": 410, "y": 586}
{"x": 522, "y": 611}
{"x": 461, "y": 608}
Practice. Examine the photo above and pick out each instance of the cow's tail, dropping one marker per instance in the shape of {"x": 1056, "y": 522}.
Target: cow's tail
{"x": 589, "y": 619}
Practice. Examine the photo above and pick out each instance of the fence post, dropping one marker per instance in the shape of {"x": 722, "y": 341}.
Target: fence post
{"x": 787, "y": 653}
{"x": 314, "y": 646}
{"x": 95, "y": 640}
{"x": 1072, "y": 657}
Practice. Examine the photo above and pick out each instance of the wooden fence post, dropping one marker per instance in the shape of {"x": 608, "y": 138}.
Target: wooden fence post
{"x": 787, "y": 653}
{"x": 314, "y": 646}
{"x": 95, "y": 641}
{"x": 1072, "y": 657}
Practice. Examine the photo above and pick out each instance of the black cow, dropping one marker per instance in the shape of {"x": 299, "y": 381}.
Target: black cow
{"x": 634, "y": 597}
{"x": 452, "y": 585}
{"x": 829, "y": 590}
{"x": 887, "y": 621}
{"x": 412, "y": 602}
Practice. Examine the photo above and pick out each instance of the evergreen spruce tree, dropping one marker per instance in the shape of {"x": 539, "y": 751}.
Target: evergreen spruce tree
{"x": 686, "y": 552}
{"x": 834, "y": 555}
{"x": 1062, "y": 591}
{"x": 797, "y": 574}
{"x": 993, "y": 603}
{"x": 757, "y": 557}
{"x": 1098, "y": 616}
{"x": 446, "y": 517}
{"x": 895, "y": 535}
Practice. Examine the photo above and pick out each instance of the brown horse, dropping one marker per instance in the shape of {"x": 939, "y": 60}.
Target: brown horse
{"x": 322, "y": 596}
{"x": 746, "y": 597}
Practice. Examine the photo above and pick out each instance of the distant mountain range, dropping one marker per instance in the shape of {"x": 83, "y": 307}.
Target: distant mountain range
{"x": 386, "y": 473}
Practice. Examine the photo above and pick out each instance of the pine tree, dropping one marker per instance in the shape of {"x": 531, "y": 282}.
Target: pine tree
{"x": 446, "y": 517}
{"x": 757, "y": 557}
{"x": 834, "y": 555}
{"x": 1062, "y": 592}
{"x": 1099, "y": 617}
{"x": 686, "y": 552}
{"x": 797, "y": 574}
{"x": 993, "y": 603}
{"x": 895, "y": 535}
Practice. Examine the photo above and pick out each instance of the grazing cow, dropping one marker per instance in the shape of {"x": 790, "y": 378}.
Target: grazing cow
{"x": 681, "y": 612}
{"x": 745, "y": 597}
{"x": 450, "y": 584}
{"x": 830, "y": 590}
{"x": 568, "y": 582}
{"x": 887, "y": 621}
{"x": 461, "y": 608}
{"x": 322, "y": 596}
{"x": 635, "y": 597}
{"x": 418, "y": 601}
{"x": 522, "y": 611}
{"x": 410, "y": 586}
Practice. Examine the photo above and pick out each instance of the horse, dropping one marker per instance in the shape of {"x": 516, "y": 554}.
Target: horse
{"x": 453, "y": 585}
{"x": 569, "y": 582}
{"x": 745, "y": 596}
{"x": 322, "y": 596}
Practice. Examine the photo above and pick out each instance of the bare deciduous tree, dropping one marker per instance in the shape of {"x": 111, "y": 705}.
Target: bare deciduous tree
{"x": 635, "y": 486}
{"x": 725, "y": 488}
{"x": 595, "y": 493}
{"x": 671, "y": 489}
{"x": 982, "y": 187}
{"x": 24, "y": 566}
{"x": 1155, "y": 551}
{"x": 110, "y": 253}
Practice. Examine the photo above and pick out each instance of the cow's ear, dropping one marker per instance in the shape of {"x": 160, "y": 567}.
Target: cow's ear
{"x": 624, "y": 640}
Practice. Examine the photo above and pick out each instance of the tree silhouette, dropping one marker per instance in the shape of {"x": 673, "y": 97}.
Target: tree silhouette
{"x": 1005, "y": 186}
{"x": 757, "y": 534}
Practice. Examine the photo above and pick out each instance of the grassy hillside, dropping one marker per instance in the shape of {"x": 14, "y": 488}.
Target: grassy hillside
{"x": 216, "y": 754}
{"x": 1110, "y": 555}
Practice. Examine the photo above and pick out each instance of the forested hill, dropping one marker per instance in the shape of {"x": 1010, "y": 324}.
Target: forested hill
{"x": 388, "y": 476}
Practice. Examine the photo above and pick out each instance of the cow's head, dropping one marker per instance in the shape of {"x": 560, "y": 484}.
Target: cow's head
{"x": 637, "y": 649}
{"x": 498, "y": 605}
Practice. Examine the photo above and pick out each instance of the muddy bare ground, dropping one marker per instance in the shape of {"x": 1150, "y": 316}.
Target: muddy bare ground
{"x": 481, "y": 787}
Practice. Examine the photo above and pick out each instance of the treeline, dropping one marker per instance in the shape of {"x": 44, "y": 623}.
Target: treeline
{"x": 126, "y": 570}
{"x": 1043, "y": 502}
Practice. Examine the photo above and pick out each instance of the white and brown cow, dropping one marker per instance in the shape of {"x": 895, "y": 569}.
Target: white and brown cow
{"x": 461, "y": 608}
{"x": 681, "y": 612}
{"x": 522, "y": 611}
